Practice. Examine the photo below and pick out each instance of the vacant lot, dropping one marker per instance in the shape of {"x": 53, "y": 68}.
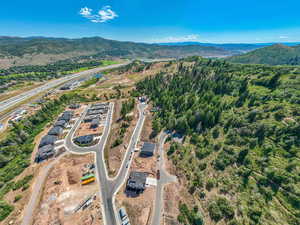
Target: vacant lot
{"x": 63, "y": 193}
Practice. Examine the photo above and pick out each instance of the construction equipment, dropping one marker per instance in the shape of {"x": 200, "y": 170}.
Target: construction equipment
{"x": 88, "y": 181}
{"x": 88, "y": 176}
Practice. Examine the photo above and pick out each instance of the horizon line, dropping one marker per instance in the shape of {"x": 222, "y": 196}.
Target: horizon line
{"x": 148, "y": 42}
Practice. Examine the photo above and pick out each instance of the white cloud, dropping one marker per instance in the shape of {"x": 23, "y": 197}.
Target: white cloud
{"x": 85, "y": 12}
{"x": 103, "y": 15}
{"x": 283, "y": 37}
{"x": 186, "y": 38}
{"x": 107, "y": 14}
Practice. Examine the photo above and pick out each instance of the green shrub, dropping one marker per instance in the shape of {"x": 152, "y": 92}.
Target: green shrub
{"x": 210, "y": 184}
{"x": 22, "y": 182}
{"x": 225, "y": 207}
{"x": 117, "y": 142}
{"x": 215, "y": 212}
{"x": 5, "y": 210}
{"x": 17, "y": 198}
{"x": 220, "y": 208}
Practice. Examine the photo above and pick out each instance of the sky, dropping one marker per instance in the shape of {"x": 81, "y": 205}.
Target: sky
{"x": 214, "y": 21}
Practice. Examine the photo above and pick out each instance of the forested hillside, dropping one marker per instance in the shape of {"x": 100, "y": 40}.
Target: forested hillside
{"x": 241, "y": 151}
{"x": 40, "y": 51}
{"x": 273, "y": 55}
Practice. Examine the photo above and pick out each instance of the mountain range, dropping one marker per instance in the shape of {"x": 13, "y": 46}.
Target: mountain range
{"x": 16, "y": 51}
{"x": 277, "y": 54}
{"x": 236, "y": 48}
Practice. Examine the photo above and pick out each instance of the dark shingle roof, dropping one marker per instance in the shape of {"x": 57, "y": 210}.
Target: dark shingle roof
{"x": 55, "y": 131}
{"x": 94, "y": 112}
{"x": 137, "y": 180}
{"x": 148, "y": 147}
{"x": 60, "y": 123}
{"x": 67, "y": 115}
{"x": 84, "y": 139}
{"x": 90, "y": 118}
{"x": 45, "y": 149}
{"x": 48, "y": 140}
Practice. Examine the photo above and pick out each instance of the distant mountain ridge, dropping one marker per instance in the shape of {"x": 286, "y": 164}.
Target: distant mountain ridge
{"x": 277, "y": 54}
{"x": 234, "y": 47}
{"x": 16, "y": 51}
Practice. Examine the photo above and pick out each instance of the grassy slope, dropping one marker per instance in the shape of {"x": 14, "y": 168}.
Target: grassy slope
{"x": 273, "y": 55}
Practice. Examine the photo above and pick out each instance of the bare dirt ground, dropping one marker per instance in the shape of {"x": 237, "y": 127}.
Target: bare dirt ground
{"x": 115, "y": 155}
{"x": 85, "y": 129}
{"x": 140, "y": 209}
{"x": 79, "y": 111}
{"x": 146, "y": 135}
{"x": 171, "y": 199}
{"x": 63, "y": 192}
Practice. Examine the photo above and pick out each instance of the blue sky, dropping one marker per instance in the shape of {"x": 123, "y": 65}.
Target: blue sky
{"x": 220, "y": 21}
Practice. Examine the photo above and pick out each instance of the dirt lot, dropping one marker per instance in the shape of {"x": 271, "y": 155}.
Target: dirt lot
{"x": 115, "y": 155}
{"x": 63, "y": 192}
{"x": 79, "y": 111}
{"x": 140, "y": 208}
{"x": 84, "y": 129}
{"x": 146, "y": 134}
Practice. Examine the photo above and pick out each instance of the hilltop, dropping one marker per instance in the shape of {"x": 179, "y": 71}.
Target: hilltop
{"x": 238, "y": 162}
{"x": 16, "y": 51}
{"x": 277, "y": 54}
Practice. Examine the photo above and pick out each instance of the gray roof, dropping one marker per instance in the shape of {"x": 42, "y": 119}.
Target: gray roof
{"x": 71, "y": 113}
{"x": 84, "y": 139}
{"x": 137, "y": 180}
{"x": 91, "y": 117}
{"x": 95, "y": 121}
{"x": 67, "y": 115}
{"x": 60, "y": 123}
{"x": 56, "y": 130}
{"x": 45, "y": 149}
{"x": 148, "y": 147}
{"x": 48, "y": 140}
{"x": 98, "y": 107}
{"x": 94, "y": 112}
{"x": 100, "y": 104}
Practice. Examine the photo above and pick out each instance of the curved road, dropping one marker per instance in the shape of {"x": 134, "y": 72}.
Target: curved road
{"x": 8, "y": 103}
{"x": 109, "y": 187}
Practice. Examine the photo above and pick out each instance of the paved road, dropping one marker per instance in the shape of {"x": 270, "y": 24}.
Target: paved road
{"x": 9, "y": 103}
{"x": 36, "y": 191}
{"x": 109, "y": 187}
{"x": 165, "y": 178}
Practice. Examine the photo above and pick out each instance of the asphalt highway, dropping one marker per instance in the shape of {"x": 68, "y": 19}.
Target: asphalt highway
{"x": 9, "y": 103}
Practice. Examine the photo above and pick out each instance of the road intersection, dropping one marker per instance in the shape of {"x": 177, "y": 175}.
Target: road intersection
{"x": 108, "y": 186}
